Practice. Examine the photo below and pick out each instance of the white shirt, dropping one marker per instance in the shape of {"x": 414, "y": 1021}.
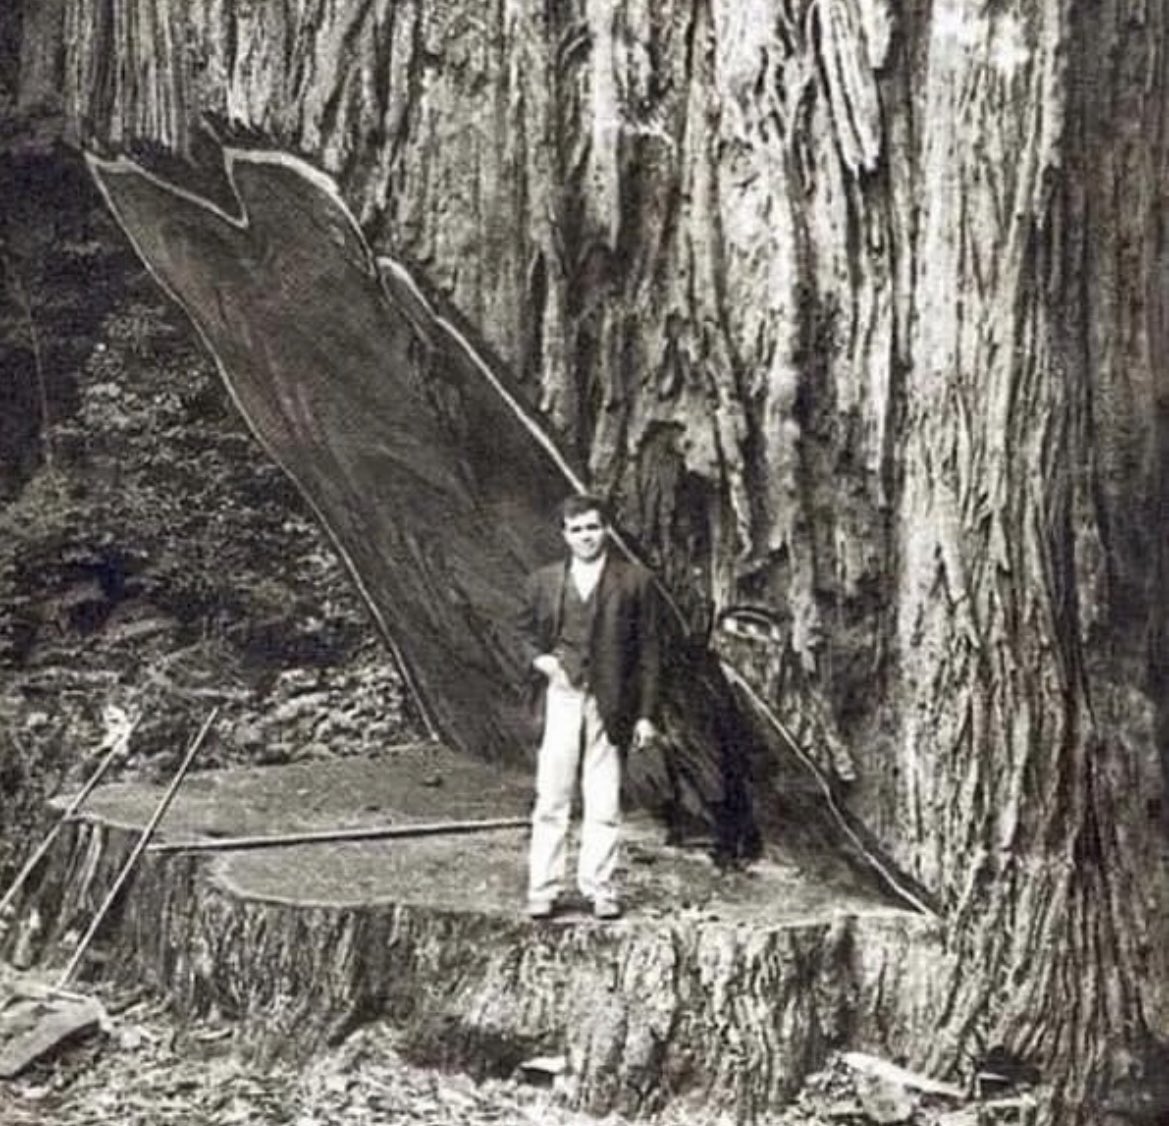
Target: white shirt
{"x": 586, "y": 574}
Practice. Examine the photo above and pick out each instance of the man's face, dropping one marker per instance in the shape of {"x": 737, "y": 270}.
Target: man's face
{"x": 585, "y": 535}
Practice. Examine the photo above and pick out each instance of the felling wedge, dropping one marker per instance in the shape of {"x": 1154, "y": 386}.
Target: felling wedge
{"x": 435, "y": 482}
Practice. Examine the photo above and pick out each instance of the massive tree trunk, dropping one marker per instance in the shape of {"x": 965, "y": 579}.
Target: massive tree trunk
{"x": 1028, "y": 524}
{"x": 858, "y": 310}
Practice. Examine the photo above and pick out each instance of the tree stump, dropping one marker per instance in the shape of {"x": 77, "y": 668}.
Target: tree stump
{"x": 726, "y": 988}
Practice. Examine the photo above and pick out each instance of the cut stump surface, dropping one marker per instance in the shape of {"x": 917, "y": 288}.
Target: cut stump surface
{"x": 722, "y": 986}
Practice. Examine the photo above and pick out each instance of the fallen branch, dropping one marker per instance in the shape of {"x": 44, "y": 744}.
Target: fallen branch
{"x": 139, "y": 847}
{"x": 325, "y": 836}
{"x": 235, "y": 695}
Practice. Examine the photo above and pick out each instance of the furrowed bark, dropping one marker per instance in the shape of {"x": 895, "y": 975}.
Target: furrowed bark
{"x": 858, "y": 311}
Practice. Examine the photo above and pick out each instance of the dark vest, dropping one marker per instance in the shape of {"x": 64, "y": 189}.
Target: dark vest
{"x": 576, "y": 632}
{"x": 624, "y": 648}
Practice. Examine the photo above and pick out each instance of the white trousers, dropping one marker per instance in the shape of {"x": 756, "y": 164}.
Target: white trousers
{"x": 574, "y": 737}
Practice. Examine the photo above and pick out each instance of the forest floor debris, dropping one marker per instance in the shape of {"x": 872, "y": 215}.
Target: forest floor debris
{"x": 145, "y": 1069}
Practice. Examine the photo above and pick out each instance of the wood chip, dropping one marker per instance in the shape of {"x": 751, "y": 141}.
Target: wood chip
{"x": 31, "y": 1030}
{"x": 548, "y": 1065}
{"x": 886, "y": 1103}
{"x": 893, "y": 1073}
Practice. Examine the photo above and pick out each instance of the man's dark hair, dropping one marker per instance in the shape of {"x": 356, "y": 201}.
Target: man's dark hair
{"x": 580, "y": 503}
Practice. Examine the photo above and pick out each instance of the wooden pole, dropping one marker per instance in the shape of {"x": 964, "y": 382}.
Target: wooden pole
{"x": 140, "y": 845}
{"x": 324, "y": 836}
{"x": 119, "y": 744}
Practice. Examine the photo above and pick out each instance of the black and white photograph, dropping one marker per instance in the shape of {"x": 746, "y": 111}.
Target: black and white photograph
{"x": 584, "y": 562}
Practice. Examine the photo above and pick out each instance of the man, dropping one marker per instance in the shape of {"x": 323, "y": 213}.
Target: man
{"x": 590, "y": 633}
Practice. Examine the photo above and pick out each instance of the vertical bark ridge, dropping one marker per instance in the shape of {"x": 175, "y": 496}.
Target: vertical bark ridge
{"x": 857, "y": 311}
{"x": 1050, "y": 767}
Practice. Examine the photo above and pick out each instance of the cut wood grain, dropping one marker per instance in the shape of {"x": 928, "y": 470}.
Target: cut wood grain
{"x": 32, "y": 1030}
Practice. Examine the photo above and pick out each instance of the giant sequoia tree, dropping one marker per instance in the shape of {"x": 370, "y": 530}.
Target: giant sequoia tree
{"x": 859, "y": 312}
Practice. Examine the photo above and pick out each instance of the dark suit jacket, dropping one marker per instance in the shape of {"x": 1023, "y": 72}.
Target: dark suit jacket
{"x": 625, "y": 647}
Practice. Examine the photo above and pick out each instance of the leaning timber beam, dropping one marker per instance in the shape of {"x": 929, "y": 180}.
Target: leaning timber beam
{"x": 333, "y": 836}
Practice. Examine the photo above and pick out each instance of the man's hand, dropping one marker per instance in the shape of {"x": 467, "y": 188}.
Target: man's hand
{"x": 645, "y": 734}
{"x": 550, "y": 666}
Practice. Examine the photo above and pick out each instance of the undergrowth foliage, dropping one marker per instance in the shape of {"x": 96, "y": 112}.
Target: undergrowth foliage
{"x": 157, "y": 563}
